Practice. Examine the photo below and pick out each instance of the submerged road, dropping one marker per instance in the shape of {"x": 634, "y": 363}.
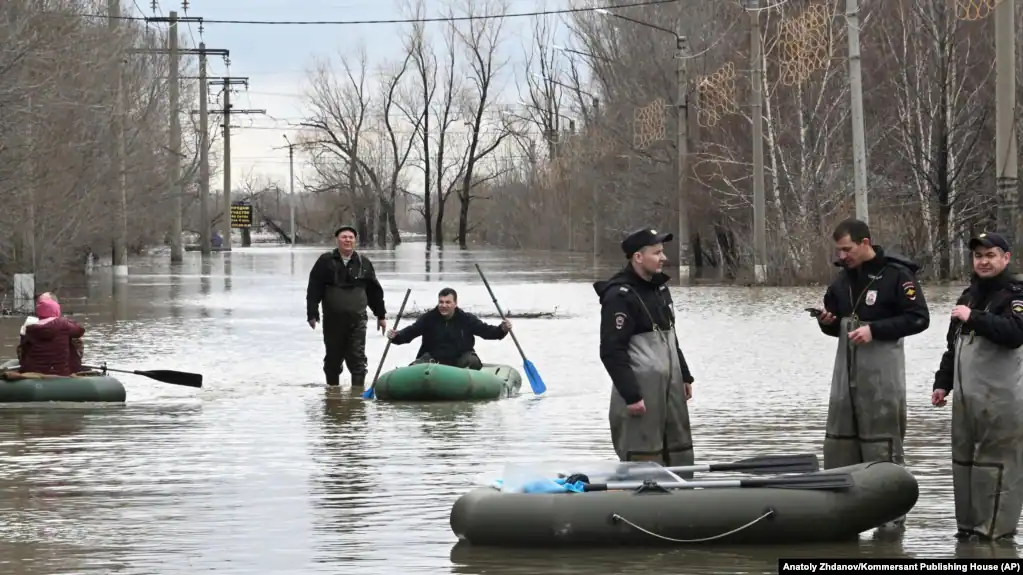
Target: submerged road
{"x": 265, "y": 471}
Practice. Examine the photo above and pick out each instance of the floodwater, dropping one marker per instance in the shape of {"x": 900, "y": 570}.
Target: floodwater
{"x": 266, "y": 471}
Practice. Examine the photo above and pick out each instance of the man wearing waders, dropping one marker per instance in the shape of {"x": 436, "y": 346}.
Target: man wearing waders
{"x": 345, "y": 282}
{"x": 648, "y": 414}
{"x": 873, "y": 304}
{"x": 983, "y": 369}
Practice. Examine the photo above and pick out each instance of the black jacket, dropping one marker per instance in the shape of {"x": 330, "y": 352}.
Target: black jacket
{"x": 445, "y": 339}
{"x": 622, "y": 316}
{"x": 883, "y": 292}
{"x": 343, "y": 289}
{"x": 996, "y": 314}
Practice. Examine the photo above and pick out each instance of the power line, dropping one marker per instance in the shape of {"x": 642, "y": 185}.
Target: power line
{"x": 413, "y": 20}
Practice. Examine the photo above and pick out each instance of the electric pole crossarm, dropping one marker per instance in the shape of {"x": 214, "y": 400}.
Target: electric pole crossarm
{"x": 172, "y": 19}
{"x": 233, "y": 111}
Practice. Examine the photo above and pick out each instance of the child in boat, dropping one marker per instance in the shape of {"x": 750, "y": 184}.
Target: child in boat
{"x": 48, "y": 344}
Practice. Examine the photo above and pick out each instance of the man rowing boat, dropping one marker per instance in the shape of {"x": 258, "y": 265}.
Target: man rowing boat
{"x": 449, "y": 333}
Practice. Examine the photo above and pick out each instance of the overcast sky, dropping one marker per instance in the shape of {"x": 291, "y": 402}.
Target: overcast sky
{"x": 275, "y": 58}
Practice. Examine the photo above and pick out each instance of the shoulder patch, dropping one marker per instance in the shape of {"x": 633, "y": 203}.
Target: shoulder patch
{"x": 620, "y": 320}
{"x": 909, "y": 288}
{"x": 623, "y": 288}
{"x": 1017, "y": 306}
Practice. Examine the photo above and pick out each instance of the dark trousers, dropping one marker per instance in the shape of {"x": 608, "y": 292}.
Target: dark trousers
{"x": 344, "y": 341}
{"x": 468, "y": 360}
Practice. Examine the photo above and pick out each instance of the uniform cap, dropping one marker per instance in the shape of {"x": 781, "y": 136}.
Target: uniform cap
{"x": 346, "y": 228}
{"x": 989, "y": 240}
{"x": 640, "y": 239}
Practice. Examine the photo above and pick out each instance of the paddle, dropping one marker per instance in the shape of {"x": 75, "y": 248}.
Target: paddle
{"x": 535, "y": 381}
{"x": 165, "y": 375}
{"x": 805, "y": 463}
{"x": 368, "y": 394}
{"x": 833, "y": 482}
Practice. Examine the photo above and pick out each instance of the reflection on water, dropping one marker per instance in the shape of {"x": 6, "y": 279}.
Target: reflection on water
{"x": 265, "y": 471}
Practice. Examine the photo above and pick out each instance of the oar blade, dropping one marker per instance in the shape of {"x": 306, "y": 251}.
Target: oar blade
{"x": 173, "y": 377}
{"x": 535, "y": 381}
{"x": 801, "y": 463}
{"x": 368, "y": 394}
{"x": 815, "y": 481}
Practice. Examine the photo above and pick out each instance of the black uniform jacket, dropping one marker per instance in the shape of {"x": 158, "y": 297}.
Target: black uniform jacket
{"x": 622, "y": 315}
{"x": 996, "y": 314}
{"x": 343, "y": 288}
{"x": 445, "y": 339}
{"x": 882, "y": 292}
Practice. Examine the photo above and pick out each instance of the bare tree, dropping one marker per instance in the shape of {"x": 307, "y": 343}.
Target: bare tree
{"x": 57, "y": 145}
{"x": 399, "y": 142}
{"x": 481, "y": 39}
{"x": 940, "y": 117}
{"x": 425, "y": 61}
{"x": 449, "y": 162}
{"x": 338, "y": 116}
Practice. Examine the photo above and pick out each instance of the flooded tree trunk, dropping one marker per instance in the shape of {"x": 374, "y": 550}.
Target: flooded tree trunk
{"x": 383, "y": 215}
{"x": 392, "y": 220}
{"x": 371, "y": 220}
{"x": 463, "y": 222}
{"x": 729, "y": 259}
{"x": 360, "y": 224}
{"x": 440, "y": 223}
{"x": 944, "y": 246}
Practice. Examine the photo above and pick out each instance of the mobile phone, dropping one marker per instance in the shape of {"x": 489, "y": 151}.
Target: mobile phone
{"x": 814, "y": 312}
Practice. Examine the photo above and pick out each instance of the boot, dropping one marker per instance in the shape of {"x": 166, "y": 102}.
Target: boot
{"x": 358, "y": 380}
{"x": 333, "y": 380}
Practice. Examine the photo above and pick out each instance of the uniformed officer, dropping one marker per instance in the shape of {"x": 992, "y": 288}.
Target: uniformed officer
{"x": 649, "y": 414}
{"x": 873, "y": 304}
{"x": 345, "y": 282}
{"x": 983, "y": 368}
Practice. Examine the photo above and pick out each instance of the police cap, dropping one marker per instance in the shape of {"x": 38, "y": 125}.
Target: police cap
{"x": 640, "y": 239}
{"x": 989, "y": 240}
{"x": 346, "y": 228}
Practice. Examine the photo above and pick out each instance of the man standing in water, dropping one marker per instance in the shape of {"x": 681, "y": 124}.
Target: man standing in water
{"x": 649, "y": 414}
{"x": 983, "y": 368}
{"x": 873, "y": 304}
{"x": 345, "y": 282}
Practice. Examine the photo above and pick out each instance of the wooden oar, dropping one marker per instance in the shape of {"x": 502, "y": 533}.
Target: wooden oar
{"x": 369, "y": 393}
{"x": 824, "y": 481}
{"x": 165, "y": 375}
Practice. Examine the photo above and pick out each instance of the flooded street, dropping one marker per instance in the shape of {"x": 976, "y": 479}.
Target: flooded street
{"x": 267, "y": 471}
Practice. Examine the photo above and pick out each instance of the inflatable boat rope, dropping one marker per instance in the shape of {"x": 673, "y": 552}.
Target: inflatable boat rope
{"x": 617, "y": 517}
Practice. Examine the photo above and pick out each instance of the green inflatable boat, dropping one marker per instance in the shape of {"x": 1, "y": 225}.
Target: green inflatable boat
{"x": 436, "y": 382}
{"x": 18, "y": 387}
{"x": 878, "y": 493}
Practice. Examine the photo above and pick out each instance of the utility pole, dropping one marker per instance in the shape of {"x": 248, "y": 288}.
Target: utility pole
{"x": 756, "y": 106}
{"x": 291, "y": 187}
{"x": 852, "y": 20}
{"x": 120, "y": 255}
{"x": 1006, "y": 167}
{"x": 204, "y": 155}
{"x": 227, "y": 82}
{"x": 682, "y": 146}
{"x": 175, "y": 141}
{"x": 174, "y": 160}
{"x": 596, "y": 184}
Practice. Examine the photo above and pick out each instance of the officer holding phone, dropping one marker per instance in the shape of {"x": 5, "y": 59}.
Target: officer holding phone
{"x": 873, "y": 304}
